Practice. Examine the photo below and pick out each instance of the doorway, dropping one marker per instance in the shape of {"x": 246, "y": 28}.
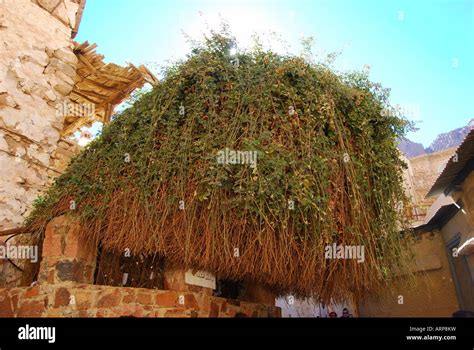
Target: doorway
{"x": 461, "y": 270}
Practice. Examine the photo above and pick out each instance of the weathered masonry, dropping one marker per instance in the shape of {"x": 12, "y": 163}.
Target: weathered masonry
{"x": 47, "y": 81}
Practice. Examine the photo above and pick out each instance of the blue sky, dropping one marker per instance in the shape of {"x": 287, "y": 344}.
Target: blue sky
{"x": 422, "y": 49}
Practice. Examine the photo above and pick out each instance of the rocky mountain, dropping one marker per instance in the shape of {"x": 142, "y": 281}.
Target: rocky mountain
{"x": 443, "y": 141}
{"x": 411, "y": 149}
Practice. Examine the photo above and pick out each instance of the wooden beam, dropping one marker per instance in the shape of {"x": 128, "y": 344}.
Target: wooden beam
{"x": 113, "y": 77}
{"x": 86, "y": 62}
{"x": 85, "y": 98}
{"x": 93, "y": 82}
{"x": 13, "y": 231}
{"x": 92, "y": 94}
{"x": 79, "y": 123}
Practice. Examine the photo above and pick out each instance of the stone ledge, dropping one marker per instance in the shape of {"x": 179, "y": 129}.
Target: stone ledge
{"x": 86, "y": 300}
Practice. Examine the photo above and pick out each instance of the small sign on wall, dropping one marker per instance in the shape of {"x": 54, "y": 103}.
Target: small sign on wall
{"x": 200, "y": 278}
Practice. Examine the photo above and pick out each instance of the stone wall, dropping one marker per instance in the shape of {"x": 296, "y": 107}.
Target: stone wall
{"x": 466, "y": 195}
{"x": 431, "y": 294}
{"x": 463, "y": 225}
{"x": 425, "y": 170}
{"x": 460, "y": 224}
{"x": 65, "y": 288}
{"x": 37, "y": 70}
{"x": 85, "y": 300}
{"x": 66, "y": 257}
{"x": 61, "y": 157}
{"x": 68, "y": 12}
{"x": 413, "y": 213}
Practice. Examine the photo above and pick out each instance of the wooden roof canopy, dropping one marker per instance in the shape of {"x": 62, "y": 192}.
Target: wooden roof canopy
{"x": 102, "y": 86}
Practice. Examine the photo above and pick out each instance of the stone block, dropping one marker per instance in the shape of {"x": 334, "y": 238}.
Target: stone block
{"x": 129, "y": 296}
{"x": 71, "y": 10}
{"x": 48, "y": 5}
{"x": 190, "y": 302}
{"x": 6, "y": 309}
{"x": 214, "y": 310}
{"x": 83, "y": 314}
{"x": 62, "y": 298}
{"x": 66, "y": 55}
{"x": 144, "y": 298}
{"x": 177, "y": 313}
{"x": 83, "y": 299}
{"x": 166, "y": 299}
{"x": 63, "y": 88}
{"x": 52, "y": 246}
{"x": 34, "y": 308}
{"x": 65, "y": 270}
{"x": 108, "y": 298}
{"x": 32, "y": 292}
{"x": 60, "y": 12}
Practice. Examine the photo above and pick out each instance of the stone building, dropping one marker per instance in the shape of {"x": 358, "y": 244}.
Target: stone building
{"x": 442, "y": 242}
{"x": 454, "y": 219}
{"x": 50, "y": 87}
{"x": 47, "y": 81}
{"x": 37, "y": 71}
{"x": 425, "y": 169}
